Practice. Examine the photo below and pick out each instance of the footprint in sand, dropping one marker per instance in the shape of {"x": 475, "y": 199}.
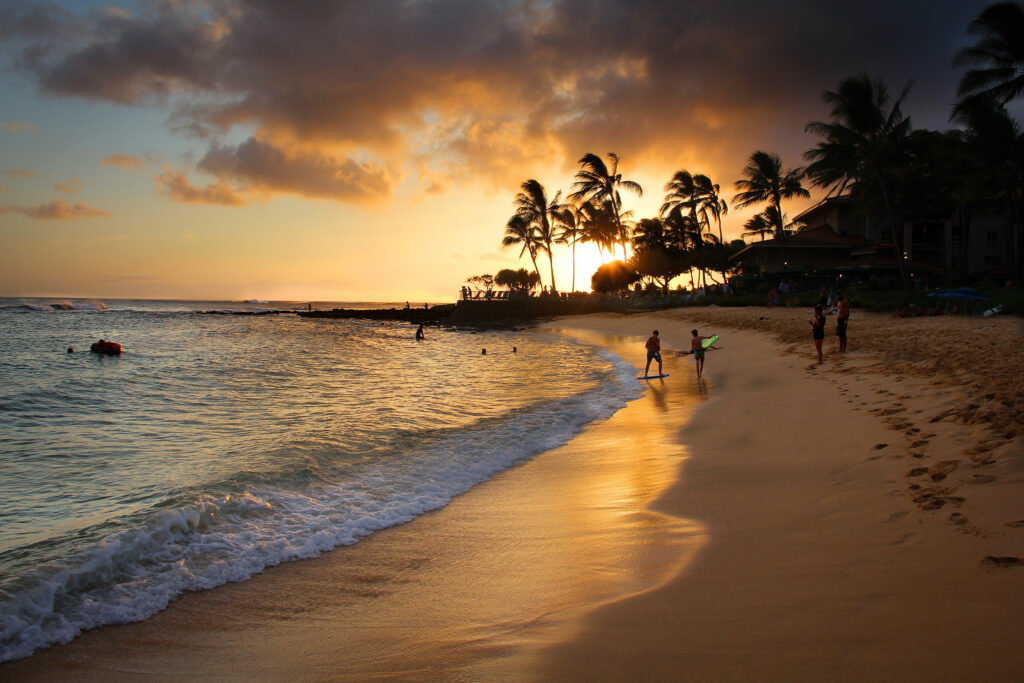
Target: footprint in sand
{"x": 993, "y": 561}
{"x": 917, "y": 471}
{"x": 896, "y": 516}
{"x": 941, "y": 470}
{"x": 919, "y": 443}
{"x": 981, "y": 479}
{"x": 880, "y": 446}
{"x": 1017, "y": 523}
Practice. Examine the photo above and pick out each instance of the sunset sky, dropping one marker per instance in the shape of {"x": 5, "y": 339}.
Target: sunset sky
{"x": 371, "y": 151}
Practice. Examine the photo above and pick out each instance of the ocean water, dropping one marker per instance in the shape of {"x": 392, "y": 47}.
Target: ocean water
{"x": 219, "y": 445}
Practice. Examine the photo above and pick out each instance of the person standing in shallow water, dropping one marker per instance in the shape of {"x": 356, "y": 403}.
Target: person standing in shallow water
{"x": 419, "y": 333}
{"x": 653, "y": 352}
{"x": 842, "y": 319}
{"x": 818, "y": 327}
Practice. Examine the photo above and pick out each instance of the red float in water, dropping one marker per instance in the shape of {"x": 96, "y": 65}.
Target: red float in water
{"x": 106, "y": 347}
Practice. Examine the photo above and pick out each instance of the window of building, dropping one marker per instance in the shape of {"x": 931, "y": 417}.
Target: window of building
{"x": 992, "y": 261}
{"x": 992, "y": 238}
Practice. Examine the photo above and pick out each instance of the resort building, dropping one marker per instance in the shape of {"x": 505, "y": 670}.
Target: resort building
{"x": 837, "y": 240}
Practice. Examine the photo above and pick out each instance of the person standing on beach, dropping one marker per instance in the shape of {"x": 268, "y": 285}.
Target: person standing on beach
{"x": 842, "y": 319}
{"x": 818, "y": 325}
{"x": 653, "y": 352}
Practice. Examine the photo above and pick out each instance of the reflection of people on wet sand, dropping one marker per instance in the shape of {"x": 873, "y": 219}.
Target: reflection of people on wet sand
{"x": 653, "y": 352}
{"x": 818, "y": 325}
{"x": 419, "y": 333}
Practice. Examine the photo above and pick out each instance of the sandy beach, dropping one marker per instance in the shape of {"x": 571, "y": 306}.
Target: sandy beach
{"x": 858, "y": 520}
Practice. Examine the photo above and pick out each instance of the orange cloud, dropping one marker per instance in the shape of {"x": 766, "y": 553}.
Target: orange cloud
{"x": 15, "y": 127}
{"x": 56, "y": 210}
{"x": 175, "y": 186}
{"x": 264, "y": 167}
{"x": 123, "y": 160}
{"x": 21, "y": 172}
{"x": 70, "y": 186}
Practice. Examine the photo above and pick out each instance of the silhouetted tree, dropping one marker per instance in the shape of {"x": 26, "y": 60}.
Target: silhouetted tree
{"x": 520, "y": 280}
{"x": 518, "y": 230}
{"x": 864, "y": 143}
{"x": 613, "y": 277}
{"x": 597, "y": 182}
{"x": 998, "y": 55}
{"x": 532, "y": 206}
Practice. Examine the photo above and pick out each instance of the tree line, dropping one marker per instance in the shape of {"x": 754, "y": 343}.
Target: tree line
{"x": 868, "y": 151}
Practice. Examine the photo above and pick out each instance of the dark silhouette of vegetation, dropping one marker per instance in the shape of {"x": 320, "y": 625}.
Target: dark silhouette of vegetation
{"x": 613, "y": 277}
{"x": 519, "y": 281}
{"x": 533, "y": 207}
{"x": 599, "y": 184}
{"x": 868, "y": 151}
{"x": 998, "y": 56}
{"x": 864, "y": 145}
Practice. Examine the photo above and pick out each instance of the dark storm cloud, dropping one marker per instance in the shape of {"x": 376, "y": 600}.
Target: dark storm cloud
{"x": 473, "y": 87}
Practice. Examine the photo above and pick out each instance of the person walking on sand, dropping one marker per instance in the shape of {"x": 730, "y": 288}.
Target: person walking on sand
{"x": 818, "y": 325}
{"x": 697, "y": 349}
{"x": 842, "y": 319}
{"x": 653, "y": 352}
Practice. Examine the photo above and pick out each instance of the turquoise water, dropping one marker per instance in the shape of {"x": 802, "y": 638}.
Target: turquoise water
{"x": 218, "y": 445}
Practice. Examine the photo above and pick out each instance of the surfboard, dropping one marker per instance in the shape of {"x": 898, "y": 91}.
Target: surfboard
{"x": 653, "y": 376}
{"x": 709, "y": 341}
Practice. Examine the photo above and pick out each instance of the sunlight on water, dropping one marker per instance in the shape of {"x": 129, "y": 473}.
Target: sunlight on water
{"x": 217, "y": 445}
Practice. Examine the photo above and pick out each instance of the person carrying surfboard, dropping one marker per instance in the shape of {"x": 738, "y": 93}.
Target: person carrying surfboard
{"x": 653, "y": 352}
{"x": 697, "y": 349}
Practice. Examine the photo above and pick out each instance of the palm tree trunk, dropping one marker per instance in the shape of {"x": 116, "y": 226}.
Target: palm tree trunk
{"x": 898, "y": 237}
{"x": 574, "y": 265}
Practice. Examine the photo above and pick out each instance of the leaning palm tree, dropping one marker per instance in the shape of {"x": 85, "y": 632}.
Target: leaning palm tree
{"x": 520, "y": 231}
{"x": 998, "y": 56}
{"x": 532, "y": 205}
{"x": 863, "y": 144}
{"x": 597, "y": 182}
{"x": 710, "y": 204}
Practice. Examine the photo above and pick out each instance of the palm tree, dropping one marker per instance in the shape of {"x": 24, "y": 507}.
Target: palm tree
{"x": 998, "y": 55}
{"x": 863, "y": 143}
{"x": 758, "y": 226}
{"x": 598, "y": 227}
{"x": 570, "y": 230}
{"x": 532, "y": 206}
{"x": 597, "y": 182}
{"x": 697, "y": 195}
{"x": 710, "y": 204}
{"x": 767, "y": 182}
{"x": 520, "y": 231}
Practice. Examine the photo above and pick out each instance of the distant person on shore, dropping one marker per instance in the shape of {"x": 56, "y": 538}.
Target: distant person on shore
{"x": 773, "y": 299}
{"x": 818, "y": 326}
{"x": 653, "y": 352}
{"x": 697, "y": 349}
{"x": 842, "y": 319}
{"x": 419, "y": 333}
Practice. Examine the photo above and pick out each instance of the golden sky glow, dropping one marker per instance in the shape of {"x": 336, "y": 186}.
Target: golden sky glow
{"x": 372, "y": 150}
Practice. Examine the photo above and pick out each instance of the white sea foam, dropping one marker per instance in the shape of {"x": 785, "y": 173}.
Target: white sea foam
{"x": 131, "y": 575}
